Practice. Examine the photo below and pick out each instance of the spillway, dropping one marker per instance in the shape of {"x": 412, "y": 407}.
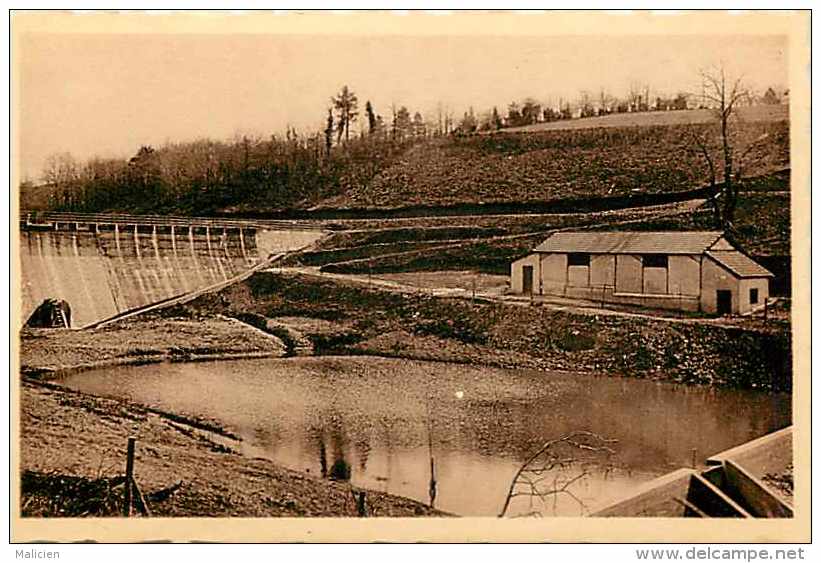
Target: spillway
{"x": 106, "y": 265}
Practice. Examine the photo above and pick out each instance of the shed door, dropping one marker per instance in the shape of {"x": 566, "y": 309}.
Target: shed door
{"x": 724, "y": 301}
{"x": 527, "y": 279}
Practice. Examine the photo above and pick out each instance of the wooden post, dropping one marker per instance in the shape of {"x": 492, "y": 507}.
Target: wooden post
{"x": 360, "y": 505}
{"x": 432, "y": 487}
{"x": 694, "y": 458}
{"x": 142, "y": 506}
{"x": 323, "y": 461}
{"x": 129, "y": 476}
{"x": 766, "y": 300}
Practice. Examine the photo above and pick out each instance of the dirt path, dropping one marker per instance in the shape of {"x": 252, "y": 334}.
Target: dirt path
{"x": 367, "y": 263}
{"x": 549, "y": 302}
{"x": 470, "y": 220}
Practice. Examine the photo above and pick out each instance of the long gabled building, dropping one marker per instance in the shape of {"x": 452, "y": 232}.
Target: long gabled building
{"x": 692, "y": 271}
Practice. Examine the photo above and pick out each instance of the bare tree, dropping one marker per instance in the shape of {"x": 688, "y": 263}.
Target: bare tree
{"x": 585, "y": 104}
{"x": 558, "y": 465}
{"x": 419, "y": 128}
{"x": 448, "y": 120}
{"x": 605, "y": 100}
{"x": 726, "y": 157}
{"x": 634, "y": 96}
{"x": 60, "y": 168}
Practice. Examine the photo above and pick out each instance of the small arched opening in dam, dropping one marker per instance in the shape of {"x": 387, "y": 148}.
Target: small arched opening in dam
{"x": 51, "y": 313}
{"x": 108, "y": 265}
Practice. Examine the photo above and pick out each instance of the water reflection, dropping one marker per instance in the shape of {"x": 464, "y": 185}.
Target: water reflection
{"x": 323, "y": 458}
{"x": 379, "y": 423}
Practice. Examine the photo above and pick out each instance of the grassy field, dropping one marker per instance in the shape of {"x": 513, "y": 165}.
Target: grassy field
{"x": 654, "y": 118}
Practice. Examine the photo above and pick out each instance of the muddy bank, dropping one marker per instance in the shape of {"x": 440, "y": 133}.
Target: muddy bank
{"x": 45, "y": 353}
{"x": 362, "y": 320}
{"x": 73, "y": 444}
{"x": 73, "y": 451}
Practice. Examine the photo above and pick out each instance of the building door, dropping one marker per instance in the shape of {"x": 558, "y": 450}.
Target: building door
{"x": 527, "y": 280}
{"x": 724, "y": 301}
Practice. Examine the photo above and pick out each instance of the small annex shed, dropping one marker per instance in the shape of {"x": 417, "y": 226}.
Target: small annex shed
{"x": 691, "y": 271}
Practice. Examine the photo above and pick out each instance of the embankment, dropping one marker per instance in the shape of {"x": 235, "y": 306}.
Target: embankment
{"x": 47, "y": 353}
{"x": 361, "y": 320}
{"x": 71, "y": 473}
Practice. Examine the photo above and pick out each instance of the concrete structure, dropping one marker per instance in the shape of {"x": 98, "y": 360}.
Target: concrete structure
{"x": 691, "y": 271}
{"x": 105, "y": 265}
{"x": 734, "y": 485}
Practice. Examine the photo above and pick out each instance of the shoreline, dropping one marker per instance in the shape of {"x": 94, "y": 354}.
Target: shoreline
{"x": 36, "y": 374}
{"x": 72, "y": 446}
{"x": 63, "y": 431}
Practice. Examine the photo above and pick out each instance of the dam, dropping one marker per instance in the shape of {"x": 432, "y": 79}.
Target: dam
{"x": 107, "y": 265}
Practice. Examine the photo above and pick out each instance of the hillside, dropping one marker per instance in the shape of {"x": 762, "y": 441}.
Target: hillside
{"x": 552, "y": 165}
{"x": 619, "y": 156}
{"x": 489, "y": 243}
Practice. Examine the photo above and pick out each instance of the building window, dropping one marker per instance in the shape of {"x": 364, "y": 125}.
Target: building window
{"x": 578, "y": 259}
{"x": 654, "y": 260}
{"x": 753, "y": 296}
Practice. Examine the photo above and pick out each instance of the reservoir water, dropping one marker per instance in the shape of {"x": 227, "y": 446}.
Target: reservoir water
{"x": 378, "y": 421}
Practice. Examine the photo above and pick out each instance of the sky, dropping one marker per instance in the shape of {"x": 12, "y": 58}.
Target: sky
{"x": 108, "y": 94}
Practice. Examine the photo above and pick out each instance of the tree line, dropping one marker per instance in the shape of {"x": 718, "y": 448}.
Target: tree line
{"x": 250, "y": 173}
{"x": 244, "y": 173}
{"x": 638, "y": 98}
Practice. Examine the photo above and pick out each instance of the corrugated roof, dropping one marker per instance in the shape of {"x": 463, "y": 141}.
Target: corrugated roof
{"x": 740, "y": 264}
{"x": 620, "y": 242}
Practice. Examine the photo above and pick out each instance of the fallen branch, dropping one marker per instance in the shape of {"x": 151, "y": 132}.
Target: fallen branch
{"x": 550, "y": 458}
{"x": 163, "y": 494}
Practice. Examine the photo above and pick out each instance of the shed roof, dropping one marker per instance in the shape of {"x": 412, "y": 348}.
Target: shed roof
{"x": 621, "y": 242}
{"x": 740, "y": 264}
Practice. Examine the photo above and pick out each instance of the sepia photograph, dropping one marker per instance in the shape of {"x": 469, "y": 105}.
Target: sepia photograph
{"x": 420, "y": 276}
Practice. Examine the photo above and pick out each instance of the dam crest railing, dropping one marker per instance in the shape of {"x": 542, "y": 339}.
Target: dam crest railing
{"x": 72, "y": 221}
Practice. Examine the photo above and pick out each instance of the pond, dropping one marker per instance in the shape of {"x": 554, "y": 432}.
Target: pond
{"x": 379, "y": 421}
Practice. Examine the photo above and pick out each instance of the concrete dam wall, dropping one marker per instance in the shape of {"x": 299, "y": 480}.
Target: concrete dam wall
{"x": 103, "y": 266}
